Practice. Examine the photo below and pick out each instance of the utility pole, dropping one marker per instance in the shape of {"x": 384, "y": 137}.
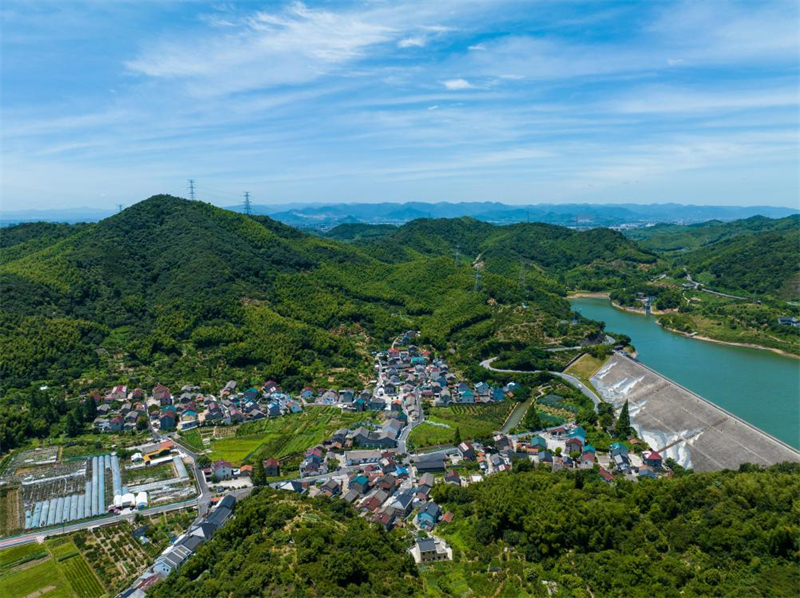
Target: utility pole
{"x": 120, "y": 207}
{"x": 191, "y": 189}
{"x": 247, "y": 203}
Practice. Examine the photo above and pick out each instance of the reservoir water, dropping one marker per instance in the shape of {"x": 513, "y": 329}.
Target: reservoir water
{"x": 759, "y": 386}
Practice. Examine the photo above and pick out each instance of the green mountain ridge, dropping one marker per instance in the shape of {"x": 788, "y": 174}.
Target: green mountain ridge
{"x": 178, "y": 290}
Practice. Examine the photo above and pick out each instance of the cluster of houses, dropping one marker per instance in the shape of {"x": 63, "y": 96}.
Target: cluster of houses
{"x": 408, "y": 370}
{"x": 339, "y": 445}
{"x": 565, "y": 447}
{"x": 385, "y": 490}
{"x": 120, "y": 409}
{"x": 179, "y": 551}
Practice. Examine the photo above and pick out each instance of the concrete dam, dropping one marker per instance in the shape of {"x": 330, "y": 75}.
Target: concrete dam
{"x": 683, "y": 425}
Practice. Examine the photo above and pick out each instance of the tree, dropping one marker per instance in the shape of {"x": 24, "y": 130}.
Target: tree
{"x": 532, "y": 421}
{"x": 73, "y": 428}
{"x": 457, "y": 437}
{"x": 605, "y": 414}
{"x": 259, "y": 475}
{"x": 623, "y": 422}
{"x": 89, "y": 409}
{"x": 587, "y": 417}
{"x": 141, "y": 423}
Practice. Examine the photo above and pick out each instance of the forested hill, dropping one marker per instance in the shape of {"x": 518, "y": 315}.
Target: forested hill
{"x": 591, "y": 259}
{"x": 280, "y": 544}
{"x": 176, "y": 291}
{"x": 682, "y": 238}
{"x": 765, "y": 263}
{"x": 716, "y": 534}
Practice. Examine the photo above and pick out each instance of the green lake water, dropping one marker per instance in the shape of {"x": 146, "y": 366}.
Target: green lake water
{"x": 759, "y": 386}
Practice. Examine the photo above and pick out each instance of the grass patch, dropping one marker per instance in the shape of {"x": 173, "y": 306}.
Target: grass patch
{"x": 18, "y": 555}
{"x": 235, "y": 448}
{"x": 41, "y": 576}
{"x": 193, "y": 440}
{"x": 585, "y": 367}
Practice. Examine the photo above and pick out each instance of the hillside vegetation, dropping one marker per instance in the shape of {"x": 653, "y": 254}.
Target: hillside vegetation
{"x": 550, "y": 257}
{"x": 280, "y": 544}
{"x": 716, "y": 534}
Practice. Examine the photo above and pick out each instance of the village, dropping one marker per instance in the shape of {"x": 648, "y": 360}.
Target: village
{"x": 368, "y": 465}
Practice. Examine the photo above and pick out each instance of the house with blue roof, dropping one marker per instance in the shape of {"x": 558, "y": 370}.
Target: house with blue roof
{"x": 428, "y": 516}
{"x": 538, "y": 442}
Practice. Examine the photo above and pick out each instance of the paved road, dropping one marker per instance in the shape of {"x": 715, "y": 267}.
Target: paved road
{"x": 487, "y": 363}
{"x": 40, "y": 535}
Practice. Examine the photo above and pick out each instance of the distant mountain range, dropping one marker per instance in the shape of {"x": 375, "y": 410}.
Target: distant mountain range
{"x": 325, "y": 216}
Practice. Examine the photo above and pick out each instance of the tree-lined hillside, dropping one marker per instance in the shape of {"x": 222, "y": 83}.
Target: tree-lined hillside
{"x": 549, "y": 256}
{"x": 279, "y": 544}
{"x": 715, "y": 534}
{"x": 183, "y": 291}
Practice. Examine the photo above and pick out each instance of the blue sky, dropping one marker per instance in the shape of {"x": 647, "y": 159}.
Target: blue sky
{"x": 520, "y": 102}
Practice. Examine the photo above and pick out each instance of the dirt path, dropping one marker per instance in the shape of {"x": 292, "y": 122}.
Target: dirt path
{"x": 38, "y": 593}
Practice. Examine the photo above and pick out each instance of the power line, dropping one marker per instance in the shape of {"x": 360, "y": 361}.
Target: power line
{"x": 191, "y": 189}
{"x": 247, "y": 209}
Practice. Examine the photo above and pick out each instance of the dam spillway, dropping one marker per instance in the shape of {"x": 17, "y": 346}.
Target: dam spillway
{"x": 683, "y": 425}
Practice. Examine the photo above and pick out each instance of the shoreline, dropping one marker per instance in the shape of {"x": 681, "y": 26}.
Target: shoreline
{"x": 641, "y": 312}
{"x": 684, "y": 334}
{"x": 731, "y": 343}
{"x": 588, "y": 295}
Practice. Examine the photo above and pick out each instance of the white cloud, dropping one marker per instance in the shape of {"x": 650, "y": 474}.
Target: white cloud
{"x": 293, "y": 46}
{"x": 477, "y": 47}
{"x": 412, "y": 42}
{"x": 453, "y": 84}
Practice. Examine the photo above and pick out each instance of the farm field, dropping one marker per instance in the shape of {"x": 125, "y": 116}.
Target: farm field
{"x": 284, "y": 436}
{"x": 11, "y": 512}
{"x": 472, "y": 421}
{"x": 143, "y": 475}
{"x": 117, "y": 557}
{"x": 193, "y": 440}
{"x": 54, "y": 570}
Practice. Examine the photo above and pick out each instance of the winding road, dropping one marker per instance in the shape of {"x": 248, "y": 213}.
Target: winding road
{"x": 487, "y": 363}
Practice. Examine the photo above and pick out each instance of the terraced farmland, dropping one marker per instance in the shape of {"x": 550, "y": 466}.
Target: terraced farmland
{"x": 286, "y": 435}
{"x": 472, "y": 422}
{"x": 54, "y": 570}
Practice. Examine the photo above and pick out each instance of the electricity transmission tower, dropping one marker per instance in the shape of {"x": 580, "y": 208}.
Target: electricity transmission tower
{"x": 458, "y": 254}
{"x": 522, "y": 275}
{"x": 191, "y": 189}
{"x": 477, "y": 279}
{"x": 247, "y": 209}
{"x": 120, "y": 207}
